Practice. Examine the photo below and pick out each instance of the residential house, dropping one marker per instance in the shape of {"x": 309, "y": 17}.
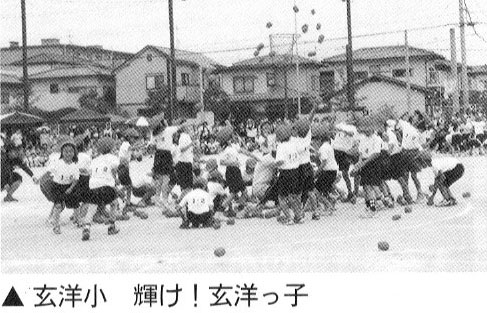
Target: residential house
{"x": 60, "y": 74}
{"x": 11, "y": 88}
{"x": 376, "y": 92}
{"x": 147, "y": 71}
{"x": 271, "y": 85}
{"x": 427, "y": 69}
{"x": 95, "y": 54}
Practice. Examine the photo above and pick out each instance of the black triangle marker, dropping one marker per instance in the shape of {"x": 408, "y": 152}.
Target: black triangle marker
{"x": 12, "y": 299}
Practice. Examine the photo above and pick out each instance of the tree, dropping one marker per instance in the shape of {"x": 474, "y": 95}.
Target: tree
{"x": 217, "y": 101}
{"x": 104, "y": 104}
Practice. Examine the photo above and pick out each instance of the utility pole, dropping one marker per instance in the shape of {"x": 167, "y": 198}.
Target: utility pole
{"x": 172, "y": 61}
{"x": 349, "y": 53}
{"x": 464, "y": 85}
{"x": 453, "y": 50}
{"x": 25, "y": 77}
{"x": 298, "y": 89}
{"x": 408, "y": 72}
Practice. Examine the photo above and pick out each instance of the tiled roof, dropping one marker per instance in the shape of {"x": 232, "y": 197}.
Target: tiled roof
{"x": 279, "y": 59}
{"x": 189, "y": 56}
{"x": 385, "y": 52}
{"x": 7, "y": 78}
{"x": 71, "y": 72}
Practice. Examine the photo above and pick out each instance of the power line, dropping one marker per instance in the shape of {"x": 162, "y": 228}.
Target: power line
{"x": 339, "y": 38}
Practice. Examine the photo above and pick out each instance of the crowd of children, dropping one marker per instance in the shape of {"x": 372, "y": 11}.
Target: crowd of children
{"x": 293, "y": 170}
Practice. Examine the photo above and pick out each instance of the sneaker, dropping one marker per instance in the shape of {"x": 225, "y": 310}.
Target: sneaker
{"x": 141, "y": 214}
{"x": 444, "y": 203}
{"x": 86, "y": 234}
{"x": 10, "y": 199}
{"x": 430, "y": 201}
{"x": 113, "y": 230}
{"x": 453, "y": 201}
{"x": 353, "y": 199}
{"x": 368, "y": 214}
{"x": 123, "y": 217}
{"x": 421, "y": 196}
{"x": 316, "y": 217}
{"x": 298, "y": 220}
{"x": 57, "y": 230}
{"x": 184, "y": 225}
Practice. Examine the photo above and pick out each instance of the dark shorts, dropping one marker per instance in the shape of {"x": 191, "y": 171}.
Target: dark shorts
{"x": 324, "y": 181}
{"x": 344, "y": 160}
{"x": 10, "y": 179}
{"x": 184, "y": 175}
{"x": 141, "y": 191}
{"x": 82, "y": 189}
{"x": 453, "y": 175}
{"x": 370, "y": 174}
{"x": 234, "y": 180}
{"x": 288, "y": 182}
{"x": 456, "y": 140}
{"x": 124, "y": 174}
{"x": 203, "y": 219}
{"x": 481, "y": 138}
{"x": 410, "y": 160}
{"x": 397, "y": 169}
{"x": 45, "y": 183}
{"x": 306, "y": 178}
{"x": 59, "y": 193}
{"x": 102, "y": 195}
{"x": 163, "y": 163}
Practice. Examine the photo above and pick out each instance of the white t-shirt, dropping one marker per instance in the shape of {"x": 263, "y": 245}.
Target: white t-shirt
{"x": 272, "y": 142}
{"x": 343, "y": 141}
{"x": 369, "y": 145}
{"x": 84, "y": 162}
{"x": 478, "y": 127}
{"x": 164, "y": 141}
{"x": 264, "y": 171}
{"x": 327, "y": 155}
{"x": 304, "y": 147}
{"x": 444, "y": 164}
{"x": 124, "y": 153}
{"x": 392, "y": 142}
{"x": 411, "y": 138}
{"x": 62, "y": 172}
{"x": 231, "y": 153}
{"x": 288, "y": 153}
{"x": 184, "y": 141}
{"x": 101, "y": 171}
{"x": 198, "y": 201}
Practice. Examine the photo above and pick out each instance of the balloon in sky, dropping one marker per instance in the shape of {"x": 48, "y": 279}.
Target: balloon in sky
{"x": 318, "y": 26}
{"x": 321, "y": 38}
{"x": 260, "y": 46}
{"x": 272, "y": 54}
{"x": 311, "y": 54}
{"x": 296, "y": 9}
{"x": 256, "y": 53}
{"x": 268, "y": 25}
{"x": 305, "y": 28}
{"x": 313, "y": 11}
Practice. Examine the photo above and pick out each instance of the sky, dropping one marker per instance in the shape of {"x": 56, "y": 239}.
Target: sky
{"x": 229, "y": 30}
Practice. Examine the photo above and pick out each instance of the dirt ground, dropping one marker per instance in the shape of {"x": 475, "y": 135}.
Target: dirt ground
{"x": 428, "y": 239}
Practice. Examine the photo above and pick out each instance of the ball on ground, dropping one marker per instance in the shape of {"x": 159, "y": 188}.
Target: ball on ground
{"x": 383, "y": 245}
{"x": 219, "y": 252}
{"x": 231, "y": 221}
{"x": 408, "y": 210}
{"x": 396, "y": 217}
{"x": 466, "y": 194}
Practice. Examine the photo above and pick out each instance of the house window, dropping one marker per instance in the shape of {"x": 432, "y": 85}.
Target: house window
{"x": 154, "y": 82}
{"x": 433, "y": 76}
{"x": 360, "y": 75}
{"x": 271, "y": 79}
{"x": 5, "y": 97}
{"x": 315, "y": 83}
{"x": 380, "y": 69}
{"x": 401, "y": 72}
{"x": 243, "y": 84}
{"x": 185, "y": 79}
{"x": 54, "y": 88}
{"x": 149, "y": 57}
